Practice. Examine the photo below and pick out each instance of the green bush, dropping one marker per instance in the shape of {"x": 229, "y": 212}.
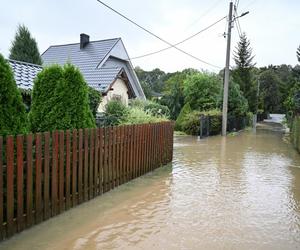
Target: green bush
{"x": 94, "y": 100}
{"x": 186, "y": 109}
{"x": 60, "y": 100}
{"x": 191, "y": 122}
{"x": 115, "y": 113}
{"x": 157, "y": 109}
{"x": 13, "y": 119}
{"x": 139, "y": 116}
{"x": 202, "y": 91}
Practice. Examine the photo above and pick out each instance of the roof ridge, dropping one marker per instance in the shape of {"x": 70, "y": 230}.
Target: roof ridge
{"x": 27, "y": 63}
{"x": 58, "y": 45}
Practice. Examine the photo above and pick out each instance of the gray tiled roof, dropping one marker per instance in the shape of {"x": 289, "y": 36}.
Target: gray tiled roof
{"x": 101, "y": 79}
{"x": 87, "y": 60}
{"x": 24, "y": 73}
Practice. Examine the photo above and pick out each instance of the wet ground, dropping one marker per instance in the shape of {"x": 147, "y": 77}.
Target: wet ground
{"x": 239, "y": 192}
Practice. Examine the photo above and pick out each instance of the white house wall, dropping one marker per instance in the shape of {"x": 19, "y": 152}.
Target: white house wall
{"x": 119, "y": 89}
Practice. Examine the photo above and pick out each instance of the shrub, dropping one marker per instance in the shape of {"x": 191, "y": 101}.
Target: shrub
{"x": 13, "y": 119}
{"x": 191, "y": 122}
{"x": 115, "y": 113}
{"x": 139, "y": 116}
{"x": 186, "y": 109}
{"x": 157, "y": 109}
{"x": 94, "y": 100}
{"x": 60, "y": 100}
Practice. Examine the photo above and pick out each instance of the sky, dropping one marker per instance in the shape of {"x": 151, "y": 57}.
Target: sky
{"x": 272, "y": 27}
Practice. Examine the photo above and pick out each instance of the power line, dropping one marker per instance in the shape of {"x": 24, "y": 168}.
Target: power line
{"x": 205, "y": 13}
{"x": 186, "y": 39}
{"x": 156, "y": 36}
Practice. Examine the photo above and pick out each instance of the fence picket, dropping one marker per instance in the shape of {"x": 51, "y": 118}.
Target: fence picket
{"x": 68, "y": 172}
{"x": 91, "y": 164}
{"x": 38, "y": 178}
{"x": 20, "y": 187}
{"x": 61, "y": 171}
{"x": 74, "y": 168}
{"x": 86, "y": 164}
{"x": 54, "y": 173}
{"x": 46, "y": 174}
{"x": 80, "y": 166}
{"x": 29, "y": 215}
{"x": 10, "y": 184}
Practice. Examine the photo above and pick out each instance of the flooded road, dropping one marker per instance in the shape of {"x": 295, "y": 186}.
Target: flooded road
{"x": 239, "y": 192}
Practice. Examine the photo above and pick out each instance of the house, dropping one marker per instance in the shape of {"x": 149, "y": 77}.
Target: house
{"x": 105, "y": 65}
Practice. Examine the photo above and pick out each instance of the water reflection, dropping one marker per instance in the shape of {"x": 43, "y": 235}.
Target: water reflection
{"x": 239, "y": 192}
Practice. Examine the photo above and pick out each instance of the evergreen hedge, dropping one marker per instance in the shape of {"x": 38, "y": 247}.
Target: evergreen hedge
{"x": 60, "y": 100}
{"x": 13, "y": 118}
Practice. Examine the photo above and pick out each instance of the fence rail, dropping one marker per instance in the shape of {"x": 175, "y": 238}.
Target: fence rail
{"x": 44, "y": 174}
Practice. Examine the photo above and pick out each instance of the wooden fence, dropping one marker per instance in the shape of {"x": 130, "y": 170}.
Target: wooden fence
{"x": 45, "y": 174}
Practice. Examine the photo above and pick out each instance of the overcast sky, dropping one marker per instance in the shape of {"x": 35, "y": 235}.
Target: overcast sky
{"x": 272, "y": 27}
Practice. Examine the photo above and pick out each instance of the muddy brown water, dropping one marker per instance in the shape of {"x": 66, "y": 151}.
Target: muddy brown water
{"x": 239, "y": 192}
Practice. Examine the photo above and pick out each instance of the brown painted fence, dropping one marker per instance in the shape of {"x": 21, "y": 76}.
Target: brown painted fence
{"x": 44, "y": 174}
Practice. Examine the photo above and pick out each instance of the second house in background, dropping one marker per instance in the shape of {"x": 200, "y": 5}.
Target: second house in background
{"x": 104, "y": 64}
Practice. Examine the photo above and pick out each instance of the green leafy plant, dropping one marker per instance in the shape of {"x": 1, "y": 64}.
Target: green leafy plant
{"x": 115, "y": 113}
{"x": 13, "y": 119}
{"x": 186, "y": 109}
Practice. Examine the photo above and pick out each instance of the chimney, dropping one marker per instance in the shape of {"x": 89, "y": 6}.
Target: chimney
{"x": 84, "y": 40}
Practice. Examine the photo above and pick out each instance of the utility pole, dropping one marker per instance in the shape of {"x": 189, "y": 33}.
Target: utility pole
{"x": 226, "y": 77}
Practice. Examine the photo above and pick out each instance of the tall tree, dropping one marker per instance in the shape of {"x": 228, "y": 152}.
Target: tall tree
{"x": 242, "y": 74}
{"x": 13, "y": 119}
{"x": 24, "y": 47}
{"x": 298, "y": 53}
{"x": 202, "y": 91}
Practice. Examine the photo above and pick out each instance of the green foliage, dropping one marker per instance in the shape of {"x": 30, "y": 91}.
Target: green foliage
{"x": 237, "y": 103}
{"x": 173, "y": 94}
{"x": 94, "y": 99}
{"x": 243, "y": 74}
{"x": 191, "y": 122}
{"x": 154, "y": 78}
{"x": 298, "y": 53}
{"x": 157, "y": 109}
{"x": 147, "y": 89}
{"x": 184, "y": 111}
{"x": 270, "y": 91}
{"x": 24, "y": 47}
{"x": 202, "y": 91}
{"x": 60, "y": 100}
{"x": 13, "y": 119}
{"x": 115, "y": 113}
{"x": 295, "y": 133}
{"x": 138, "y": 116}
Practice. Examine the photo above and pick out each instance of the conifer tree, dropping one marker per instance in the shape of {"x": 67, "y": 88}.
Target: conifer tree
{"x": 24, "y": 47}
{"x": 13, "y": 119}
{"x": 242, "y": 74}
{"x": 298, "y": 54}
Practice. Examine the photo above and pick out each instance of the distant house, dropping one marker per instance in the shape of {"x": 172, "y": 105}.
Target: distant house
{"x": 104, "y": 64}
